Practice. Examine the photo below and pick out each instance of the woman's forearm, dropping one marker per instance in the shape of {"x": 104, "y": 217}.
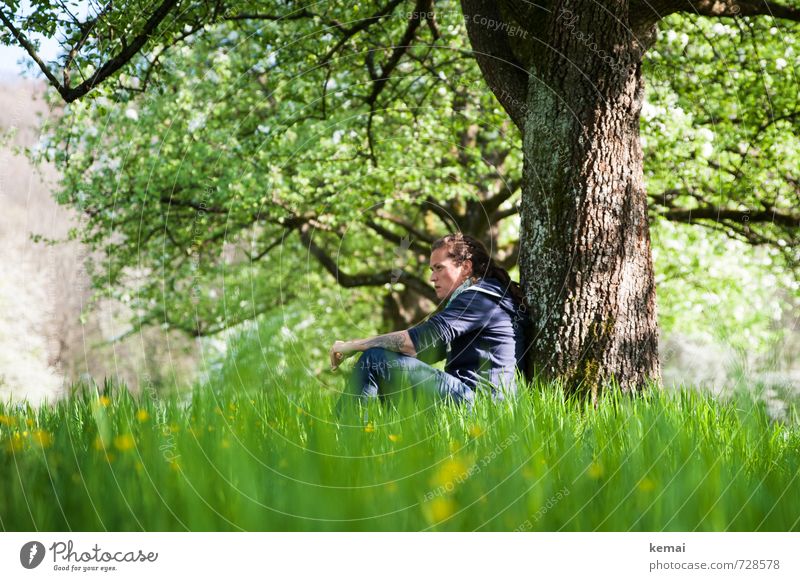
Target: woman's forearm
{"x": 399, "y": 341}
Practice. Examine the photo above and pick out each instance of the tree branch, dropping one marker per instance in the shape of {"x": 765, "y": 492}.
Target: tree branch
{"x": 719, "y": 8}
{"x": 719, "y": 214}
{"x": 364, "y": 279}
{"x": 378, "y": 84}
{"x": 506, "y": 77}
{"x": 129, "y": 50}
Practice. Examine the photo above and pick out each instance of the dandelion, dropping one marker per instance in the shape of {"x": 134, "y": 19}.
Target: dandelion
{"x": 595, "y": 470}
{"x": 43, "y": 438}
{"x": 104, "y": 401}
{"x": 646, "y": 485}
{"x": 142, "y": 415}
{"x": 440, "y": 509}
{"x": 7, "y": 420}
{"x": 124, "y": 443}
{"x": 476, "y": 431}
{"x": 394, "y": 437}
{"x": 369, "y": 428}
{"x": 450, "y": 470}
{"x": 15, "y": 444}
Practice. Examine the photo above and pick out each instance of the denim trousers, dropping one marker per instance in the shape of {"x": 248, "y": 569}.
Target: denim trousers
{"x": 380, "y": 373}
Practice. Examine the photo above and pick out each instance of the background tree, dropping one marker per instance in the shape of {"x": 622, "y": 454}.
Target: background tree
{"x": 569, "y": 76}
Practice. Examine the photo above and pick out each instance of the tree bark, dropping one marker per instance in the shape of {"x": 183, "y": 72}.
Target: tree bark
{"x": 585, "y": 257}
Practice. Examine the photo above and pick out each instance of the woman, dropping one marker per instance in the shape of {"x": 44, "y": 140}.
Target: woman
{"x": 481, "y": 332}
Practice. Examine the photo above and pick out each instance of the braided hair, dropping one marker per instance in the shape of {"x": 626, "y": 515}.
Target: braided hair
{"x": 463, "y": 247}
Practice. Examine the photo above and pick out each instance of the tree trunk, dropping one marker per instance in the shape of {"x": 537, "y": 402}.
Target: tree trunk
{"x": 585, "y": 257}
{"x": 403, "y": 309}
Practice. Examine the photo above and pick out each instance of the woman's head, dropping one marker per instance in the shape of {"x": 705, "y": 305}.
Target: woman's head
{"x": 456, "y": 257}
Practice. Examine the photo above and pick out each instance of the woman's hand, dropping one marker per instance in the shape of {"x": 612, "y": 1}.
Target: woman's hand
{"x": 339, "y": 352}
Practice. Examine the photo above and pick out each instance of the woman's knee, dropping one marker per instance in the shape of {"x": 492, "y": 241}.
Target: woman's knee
{"x": 375, "y": 353}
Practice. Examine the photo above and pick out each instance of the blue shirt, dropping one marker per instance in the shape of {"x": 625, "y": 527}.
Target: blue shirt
{"x": 482, "y": 334}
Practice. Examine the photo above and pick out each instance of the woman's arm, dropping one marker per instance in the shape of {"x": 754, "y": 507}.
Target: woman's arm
{"x": 399, "y": 341}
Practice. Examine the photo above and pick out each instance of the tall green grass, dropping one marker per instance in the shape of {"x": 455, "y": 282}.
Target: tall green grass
{"x": 278, "y": 458}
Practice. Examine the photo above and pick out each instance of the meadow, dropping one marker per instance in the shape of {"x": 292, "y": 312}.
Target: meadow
{"x": 279, "y": 458}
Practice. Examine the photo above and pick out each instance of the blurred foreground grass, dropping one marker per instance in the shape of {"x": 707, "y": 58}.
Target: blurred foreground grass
{"x": 277, "y": 459}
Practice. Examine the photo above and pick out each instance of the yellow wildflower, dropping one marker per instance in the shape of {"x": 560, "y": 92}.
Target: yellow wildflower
{"x": 14, "y": 444}
{"x": 124, "y": 442}
{"x": 451, "y": 472}
{"x": 142, "y": 415}
{"x": 394, "y": 437}
{"x": 595, "y": 470}
{"x": 369, "y": 428}
{"x": 646, "y": 485}
{"x": 43, "y": 438}
{"x": 104, "y": 401}
{"x": 8, "y": 420}
{"x": 439, "y": 509}
{"x": 475, "y": 431}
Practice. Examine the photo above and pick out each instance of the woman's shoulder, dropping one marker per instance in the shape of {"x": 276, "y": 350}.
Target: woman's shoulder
{"x": 488, "y": 286}
{"x": 493, "y": 287}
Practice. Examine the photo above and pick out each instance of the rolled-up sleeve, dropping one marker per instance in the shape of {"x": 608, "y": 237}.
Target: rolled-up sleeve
{"x": 467, "y": 312}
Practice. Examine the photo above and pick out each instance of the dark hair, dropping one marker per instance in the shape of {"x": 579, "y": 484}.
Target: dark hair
{"x": 463, "y": 247}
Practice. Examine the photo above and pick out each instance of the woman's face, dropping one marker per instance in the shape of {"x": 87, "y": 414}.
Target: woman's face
{"x": 445, "y": 275}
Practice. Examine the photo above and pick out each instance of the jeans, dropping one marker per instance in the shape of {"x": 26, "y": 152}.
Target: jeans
{"x": 380, "y": 373}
